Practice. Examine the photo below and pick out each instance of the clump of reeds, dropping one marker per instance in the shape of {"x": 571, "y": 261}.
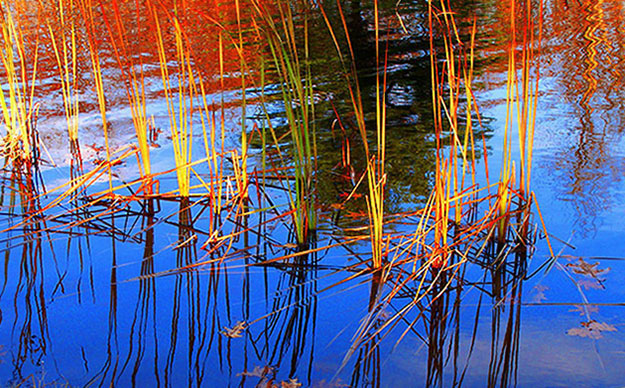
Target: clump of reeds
{"x": 88, "y": 18}
{"x": 295, "y": 78}
{"x": 376, "y": 158}
{"x": 521, "y": 101}
{"x": 376, "y": 177}
{"x": 180, "y": 112}
{"x": 19, "y": 112}
{"x": 63, "y": 37}
{"x": 451, "y": 80}
{"x": 134, "y": 82}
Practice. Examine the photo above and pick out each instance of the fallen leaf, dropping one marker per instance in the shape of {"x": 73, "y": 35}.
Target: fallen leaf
{"x": 539, "y": 295}
{"x": 359, "y": 214}
{"x": 587, "y": 269}
{"x": 235, "y": 332}
{"x": 287, "y": 246}
{"x": 591, "y": 284}
{"x": 582, "y": 311}
{"x": 584, "y": 268}
{"x": 591, "y": 329}
{"x": 345, "y": 194}
{"x": 292, "y": 383}
{"x": 259, "y": 371}
{"x": 332, "y": 384}
{"x": 95, "y": 147}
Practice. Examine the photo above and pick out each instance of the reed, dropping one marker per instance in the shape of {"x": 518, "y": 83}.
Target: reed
{"x": 134, "y": 80}
{"x": 451, "y": 79}
{"x": 88, "y": 18}
{"x": 294, "y": 75}
{"x": 376, "y": 176}
{"x": 180, "y": 113}
{"x": 447, "y": 232}
{"x": 521, "y": 105}
{"x": 375, "y": 167}
{"x": 64, "y": 45}
{"x": 19, "y": 113}
{"x": 209, "y": 135}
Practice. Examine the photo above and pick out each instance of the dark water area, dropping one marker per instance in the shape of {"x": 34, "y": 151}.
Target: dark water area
{"x": 156, "y": 292}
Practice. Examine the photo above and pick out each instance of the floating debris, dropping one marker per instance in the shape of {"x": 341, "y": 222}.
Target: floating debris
{"x": 587, "y": 269}
{"x": 236, "y": 331}
{"x": 291, "y": 383}
{"x": 583, "y": 309}
{"x": 258, "y": 371}
{"x": 591, "y": 329}
{"x": 539, "y": 293}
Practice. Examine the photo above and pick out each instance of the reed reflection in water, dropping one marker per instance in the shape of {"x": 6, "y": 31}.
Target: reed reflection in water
{"x": 169, "y": 320}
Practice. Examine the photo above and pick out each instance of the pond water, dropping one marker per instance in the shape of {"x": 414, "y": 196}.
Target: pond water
{"x": 155, "y": 291}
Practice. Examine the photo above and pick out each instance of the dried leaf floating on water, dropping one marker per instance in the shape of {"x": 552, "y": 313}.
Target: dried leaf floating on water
{"x": 591, "y": 329}
{"x": 291, "y": 383}
{"x": 587, "y": 269}
{"x": 591, "y": 284}
{"x": 584, "y": 268}
{"x": 258, "y": 371}
{"x": 539, "y": 293}
{"x": 583, "y": 309}
{"x": 236, "y": 331}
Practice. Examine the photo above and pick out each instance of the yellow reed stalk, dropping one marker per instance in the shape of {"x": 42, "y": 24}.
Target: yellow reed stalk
{"x": 67, "y": 63}
{"x": 218, "y": 167}
{"x": 527, "y": 101}
{"x": 136, "y": 97}
{"x": 446, "y": 183}
{"x": 376, "y": 176}
{"x": 297, "y": 94}
{"x": 86, "y": 7}
{"x": 180, "y": 120}
{"x": 455, "y": 158}
{"x": 17, "y": 108}
{"x": 507, "y": 169}
{"x": 215, "y": 183}
{"x": 504, "y": 197}
{"x": 135, "y": 91}
{"x": 375, "y": 211}
{"x": 244, "y": 178}
{"x": 521, "y": 104}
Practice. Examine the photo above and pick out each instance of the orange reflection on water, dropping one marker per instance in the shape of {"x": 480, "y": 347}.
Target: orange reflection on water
{"x": 583, "y": 55}
{"x": 124, "y": 34}
{"x": 63, "y": 39}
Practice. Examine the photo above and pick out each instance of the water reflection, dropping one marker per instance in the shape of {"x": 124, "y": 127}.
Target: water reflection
{"x": 130, "y": 67}
{"x": 582, "y": 56}
{"x": 173, "y": 312}
{"x": 448, "y": 318}
{"x": 243, "y": 308}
